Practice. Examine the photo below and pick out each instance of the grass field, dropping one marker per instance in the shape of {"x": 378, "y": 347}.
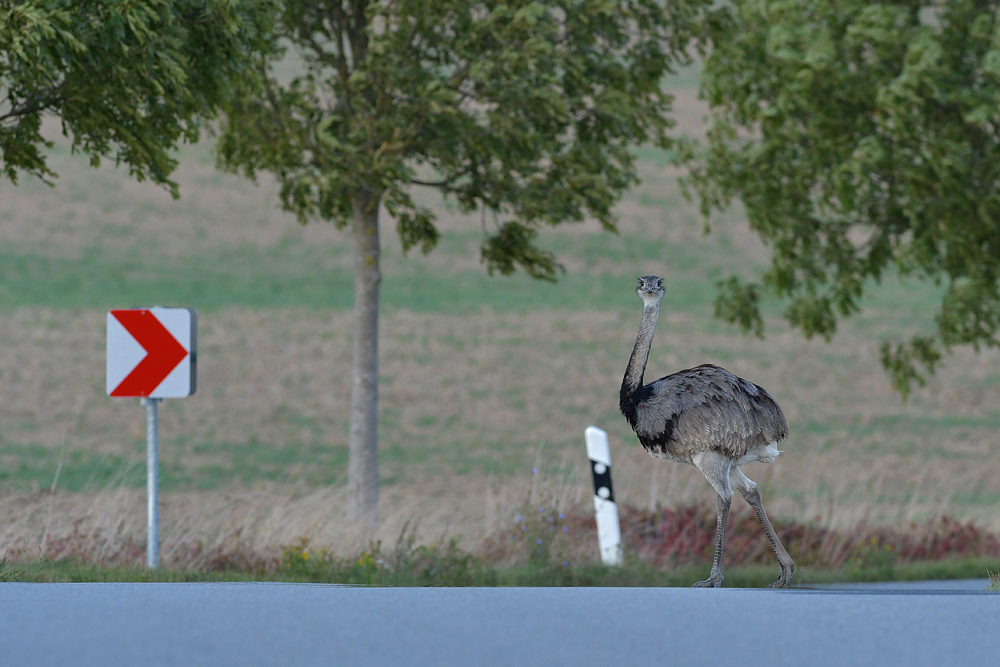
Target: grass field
{"x": 483, "y": 379}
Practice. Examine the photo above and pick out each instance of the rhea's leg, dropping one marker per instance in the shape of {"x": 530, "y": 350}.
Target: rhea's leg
{"x": 722, "y": 515}
{"x": 716, "y": 469}
{"x": 749, "y": 491}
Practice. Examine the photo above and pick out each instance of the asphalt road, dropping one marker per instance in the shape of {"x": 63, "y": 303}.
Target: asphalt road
{"x": 284, "y": 624}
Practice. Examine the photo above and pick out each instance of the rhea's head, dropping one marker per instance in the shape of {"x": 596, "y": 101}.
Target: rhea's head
{"x": 650, "y": 289}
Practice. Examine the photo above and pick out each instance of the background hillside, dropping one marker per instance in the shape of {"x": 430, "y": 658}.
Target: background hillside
{"x": 482, "y": 379}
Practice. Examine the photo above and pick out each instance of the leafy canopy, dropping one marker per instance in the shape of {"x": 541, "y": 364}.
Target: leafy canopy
{"x": 524, "y": 111}
{"x": 863, "y": 138}
{"x": 127, "y": 79}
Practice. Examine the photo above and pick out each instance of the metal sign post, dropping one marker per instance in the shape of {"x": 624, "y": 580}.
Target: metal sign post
{"x": 151, "y": 354}
{"x": 152, "y": 484}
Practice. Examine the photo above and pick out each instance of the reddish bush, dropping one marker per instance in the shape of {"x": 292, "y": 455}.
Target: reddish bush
{"x": 673, "y": 536}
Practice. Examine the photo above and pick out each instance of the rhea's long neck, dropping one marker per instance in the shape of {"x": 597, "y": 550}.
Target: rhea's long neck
{"x": 632, "y": 382}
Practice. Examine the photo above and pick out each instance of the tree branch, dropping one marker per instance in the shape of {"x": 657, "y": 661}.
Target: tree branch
{"x": 433, "y": 184}
{"x": 39, "y": 102}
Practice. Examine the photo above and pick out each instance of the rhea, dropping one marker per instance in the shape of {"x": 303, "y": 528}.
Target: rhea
{"x": 709, "y": 418}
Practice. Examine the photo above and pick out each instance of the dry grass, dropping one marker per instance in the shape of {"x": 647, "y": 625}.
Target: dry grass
{"x": 251, "y": 531}
{"x": 251, "y": 527}
{"x": 199, "y": 530}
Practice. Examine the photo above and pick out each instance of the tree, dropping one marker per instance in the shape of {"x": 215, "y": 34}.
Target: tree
{"x": 863, "y": 138}
{"x": 127, "y": 79}
{"x": 524, "y": 111}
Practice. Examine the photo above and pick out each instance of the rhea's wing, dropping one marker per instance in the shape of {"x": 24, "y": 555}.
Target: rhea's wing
{"x": 709, "y": 407}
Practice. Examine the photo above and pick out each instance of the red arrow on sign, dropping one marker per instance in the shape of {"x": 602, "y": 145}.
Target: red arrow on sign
{"x": 163, "y": 352}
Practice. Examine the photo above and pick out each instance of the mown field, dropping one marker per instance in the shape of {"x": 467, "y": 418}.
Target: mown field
{"x": 487, "y": 383}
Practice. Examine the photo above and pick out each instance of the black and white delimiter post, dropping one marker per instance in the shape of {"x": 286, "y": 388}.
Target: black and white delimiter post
{"x": 609, "y": 534}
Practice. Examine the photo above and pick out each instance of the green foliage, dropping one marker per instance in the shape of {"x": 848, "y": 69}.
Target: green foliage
{"x": 862, "y": 139}
{"x": 994, "y": 581}
{"x": 738, "y": 303}
{"x": 127, "y": 79}
{"x": 901, "y": 359}
{"x": 631, "y": 573}
{"x": 542, "y": 537}
{"x": 514, "y": 245}
{"x": 873, "y": 560}
{"x": 526, "y": 111}
{"x": 10, "y": 572}
{"x": 407, "y": 564}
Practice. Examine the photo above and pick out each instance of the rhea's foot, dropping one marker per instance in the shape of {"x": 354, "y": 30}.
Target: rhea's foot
{"x": 785, "y": 580}
{"x": 711, "y": 582}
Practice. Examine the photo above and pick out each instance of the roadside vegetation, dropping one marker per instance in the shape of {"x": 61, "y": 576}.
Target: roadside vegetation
{"x": 543, "y": 547}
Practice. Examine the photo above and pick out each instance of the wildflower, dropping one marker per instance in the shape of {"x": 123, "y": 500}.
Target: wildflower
{"x": 539, "y": 540}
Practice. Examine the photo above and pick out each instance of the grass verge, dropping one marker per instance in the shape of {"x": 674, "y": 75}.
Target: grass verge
{"x": 668, "y": 547}
{"x": 450, "y": 568}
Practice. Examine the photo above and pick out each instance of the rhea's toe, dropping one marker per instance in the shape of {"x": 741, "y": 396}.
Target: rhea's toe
{"x": 784, "y": 581}
{"x": 711, "y": 582}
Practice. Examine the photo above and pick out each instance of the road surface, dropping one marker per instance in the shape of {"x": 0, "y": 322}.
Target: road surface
{"x": 288, "y": 624}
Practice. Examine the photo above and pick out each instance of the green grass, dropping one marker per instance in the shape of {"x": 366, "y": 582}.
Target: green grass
{"x": 299, "y": 275}
{"x": 182, "y": 466}
{"x": 438, "y": 565}
{"x": 33, "y": 467}
{"x": 189, "y": 465}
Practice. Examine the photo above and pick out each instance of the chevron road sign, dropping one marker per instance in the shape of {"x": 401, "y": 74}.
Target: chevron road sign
{"x": 151, "y": 355}
{"x": 151, "y": 352}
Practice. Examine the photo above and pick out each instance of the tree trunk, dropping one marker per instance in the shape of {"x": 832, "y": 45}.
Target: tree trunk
{"x": 362, "y": 468}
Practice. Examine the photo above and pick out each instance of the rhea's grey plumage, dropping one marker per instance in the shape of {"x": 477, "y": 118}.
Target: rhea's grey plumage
{"x": 707, "y": 417}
